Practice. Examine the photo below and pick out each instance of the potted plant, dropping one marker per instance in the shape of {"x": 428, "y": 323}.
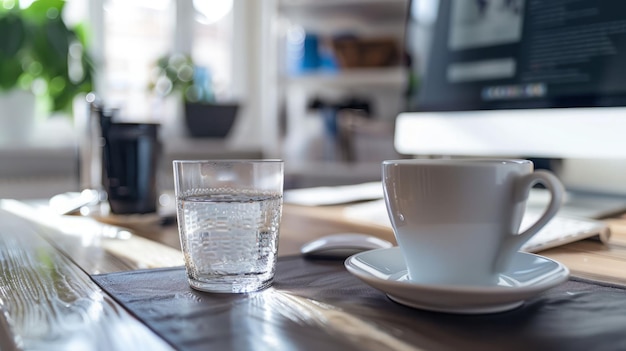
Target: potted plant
{"x": 39, "y": 53}
{"x": 204, "y": 116}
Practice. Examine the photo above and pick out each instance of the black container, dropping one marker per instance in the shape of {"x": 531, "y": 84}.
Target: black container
{"x": 130, "y": 157}
{"x": 210, "y": 120}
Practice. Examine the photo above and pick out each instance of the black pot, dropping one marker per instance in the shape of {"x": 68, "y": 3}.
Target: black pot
{"x": 210, "y": 120}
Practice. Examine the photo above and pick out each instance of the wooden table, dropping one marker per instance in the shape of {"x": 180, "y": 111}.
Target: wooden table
{"x": 45, "y": 290}
{"x": 159, "y": 246}
{"x": 586, "y": 258}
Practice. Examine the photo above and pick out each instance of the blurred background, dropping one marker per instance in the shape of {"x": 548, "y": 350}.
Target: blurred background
{"x": 317, "y": 83}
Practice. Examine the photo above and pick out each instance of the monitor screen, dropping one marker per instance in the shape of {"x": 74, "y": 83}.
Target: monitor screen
{"x": 525, "y": 78}
{"x": 519, "y": 78}
{"x": 511, "y": 54}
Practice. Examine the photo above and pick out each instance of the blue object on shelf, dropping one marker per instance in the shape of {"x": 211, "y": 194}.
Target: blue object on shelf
{"x": 303, "y": 53}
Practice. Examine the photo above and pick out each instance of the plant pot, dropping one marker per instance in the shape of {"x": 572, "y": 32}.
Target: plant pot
{"x": 17, "y": 116}
{"x": 210, "y": 120}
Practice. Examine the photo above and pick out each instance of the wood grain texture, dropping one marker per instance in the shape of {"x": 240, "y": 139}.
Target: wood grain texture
{"x": 48, "y": 303}
{"x": 98, "y": 247}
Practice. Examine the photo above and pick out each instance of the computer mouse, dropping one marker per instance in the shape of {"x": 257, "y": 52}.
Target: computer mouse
{"x": 342, "y": 245}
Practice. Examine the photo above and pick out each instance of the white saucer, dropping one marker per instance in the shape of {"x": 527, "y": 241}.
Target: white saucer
{"x": 527, "y": 276}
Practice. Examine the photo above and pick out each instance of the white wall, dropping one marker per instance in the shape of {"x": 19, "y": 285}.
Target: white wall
{"x": 255, "y": 75}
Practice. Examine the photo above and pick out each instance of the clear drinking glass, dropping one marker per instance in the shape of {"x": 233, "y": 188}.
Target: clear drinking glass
{"x": 228, "y": 219}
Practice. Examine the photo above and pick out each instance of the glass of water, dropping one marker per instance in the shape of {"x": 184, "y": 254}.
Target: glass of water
{"x": 228, "y": 219}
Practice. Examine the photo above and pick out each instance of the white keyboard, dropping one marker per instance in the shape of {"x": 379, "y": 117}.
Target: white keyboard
{"x": 559, "y": 231}
{"x": 562, "y": 230}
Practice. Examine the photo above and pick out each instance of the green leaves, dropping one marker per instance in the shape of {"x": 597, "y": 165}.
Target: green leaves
{"x": 12, "y": 34}
{"x": 41, "y": 11}
{"x": 10, "y": 71}
{"x": 177, "y": 72}
{"x": 35, "y": 45}
{"x": 50, "y": 46}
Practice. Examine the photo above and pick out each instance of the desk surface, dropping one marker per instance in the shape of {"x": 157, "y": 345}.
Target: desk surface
{"x": 45, "y": 268}
{"x": 588, "y": 259}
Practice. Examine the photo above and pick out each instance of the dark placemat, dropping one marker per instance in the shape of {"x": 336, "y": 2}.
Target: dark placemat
{"x": 318, "y": 305}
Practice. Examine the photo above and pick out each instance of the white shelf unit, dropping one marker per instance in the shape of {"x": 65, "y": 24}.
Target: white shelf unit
{"x": 384, "y": 87}
{"x": 352, "y": 14}
{"x": 386, "y": 77}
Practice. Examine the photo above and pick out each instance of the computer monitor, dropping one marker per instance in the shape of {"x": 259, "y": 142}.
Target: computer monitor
{"x": 520, "y": 78}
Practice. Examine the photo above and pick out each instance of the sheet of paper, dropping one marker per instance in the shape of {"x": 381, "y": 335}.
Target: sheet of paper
{"x": 334, "y": 195}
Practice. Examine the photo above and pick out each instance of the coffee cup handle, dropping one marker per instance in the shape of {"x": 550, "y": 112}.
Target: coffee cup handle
{"x": 515, "y": 241}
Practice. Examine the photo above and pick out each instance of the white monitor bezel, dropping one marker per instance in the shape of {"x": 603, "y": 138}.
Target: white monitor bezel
{"x": 595, "y": 132}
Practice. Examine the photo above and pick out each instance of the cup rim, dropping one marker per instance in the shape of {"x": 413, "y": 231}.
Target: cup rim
{"x": 457, "y": 162}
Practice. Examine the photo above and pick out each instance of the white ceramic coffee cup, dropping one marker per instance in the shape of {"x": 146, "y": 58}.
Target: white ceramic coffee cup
{"x": 457, "y": 220}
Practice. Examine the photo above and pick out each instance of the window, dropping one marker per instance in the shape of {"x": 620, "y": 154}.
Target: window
{"x": 212, "y": 34}
{"x": 136, "y": 33}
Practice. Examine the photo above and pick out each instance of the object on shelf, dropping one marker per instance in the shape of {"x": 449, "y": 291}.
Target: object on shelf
{"x": 308, "y": 52}
{"x": 338, "y": 146}
{"x": 355, "y": 52}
